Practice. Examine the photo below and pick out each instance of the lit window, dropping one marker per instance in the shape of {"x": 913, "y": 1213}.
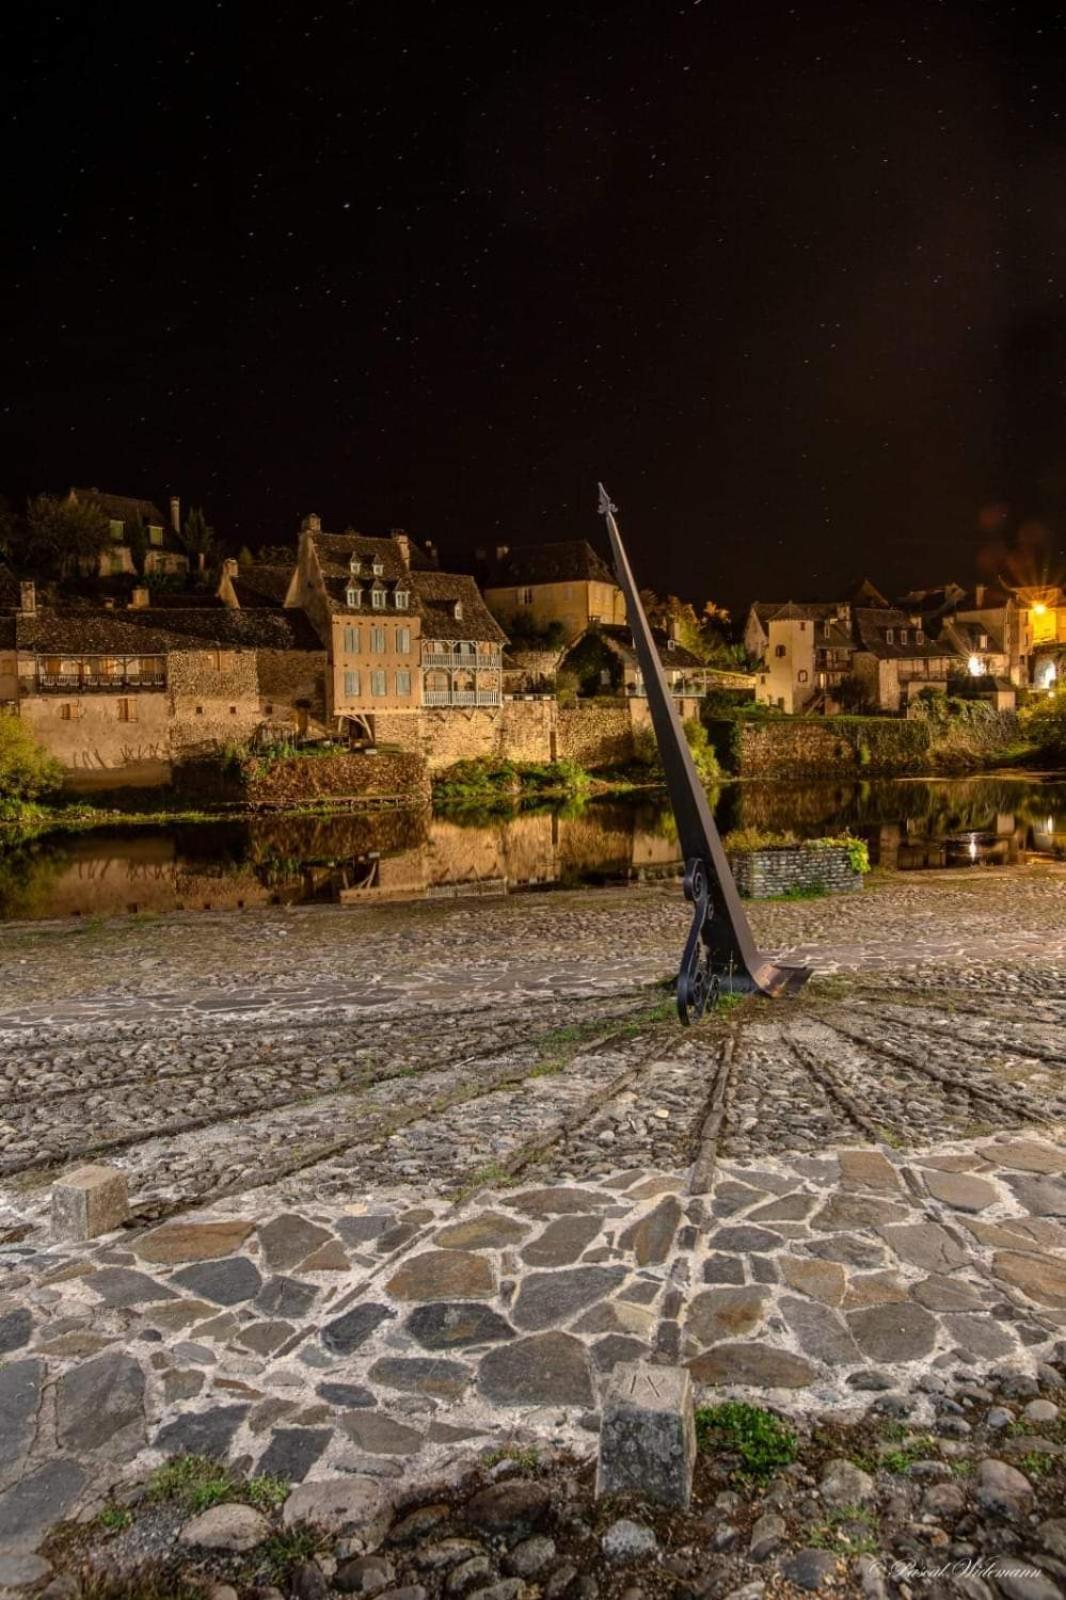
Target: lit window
{"x": 377, "y": 599}
{"x": 352, "y": 685}
{"x": 155, "y": 535}
{"x": 525, "y": 597}
{"x": 402, "y": 598}
{"x": 118, "y": 530}
{"x": 403, "y": 641}
{"x": 377, "y": 641}
{"x": 403, "y": 683}
{"x": 377, "y": 683}
{"x": 457, "y": 611}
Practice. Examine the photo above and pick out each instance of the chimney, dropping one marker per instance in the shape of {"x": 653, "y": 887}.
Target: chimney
{"x": 979, "y": 596}
{"x": 501, "y": 551}
{"x": 312, "y": 523}
{"x": 175, "y": 513}
{"x": 400, "y": 538}
{"x": 28, "y": 598}
{"x": 672, "y": 630}
{"x": 231, "y": 567}
{"x": 431, "y": 552}
{"x": 140, "y": 599}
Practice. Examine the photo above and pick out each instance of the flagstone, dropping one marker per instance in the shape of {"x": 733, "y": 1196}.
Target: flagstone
{"x": 715, "y": 1314}
{"x": 286, "y": 1297}
{"x": 292, "y": 1452}
{"x": 759, "y": 1365}
{"x": 170, "y": 1316}
{"x": 650, "y": 1238}
{"x": 819, "y": 1331}
{"x": 125, "y": 1286}
{"x": 548, "y": 1298}
{"x": 1044, "y": 1197}
{"x": 857, "y": 1211}
{"x": 743, "y": 1238}
{"x": 874, "y": 1289}
{"x": 289, "y": 1239}
{"x": 445, "y": 1380}
{"x": 544, "y": 1369}
{"x": 850, "y": 1249}
{"x": 1041, "y": 1277}
{"x": 329, "y": 1257}
{"x": 867, "y": 1169}
{"x": 346, "y": 1333}
{"x": 443, "y": 1275}
{"x": 97, "y": 1400}
{"x": 926, "y": 1245}
{"x": 947, "y": 1294}
{"x": 1027, "y": 1155}
{"x": 556, "y": 1201}
{"x": 228, "y": 1282}
{"x": 201, "y": 1433}
{"x": 790, "y": 1208}
{"x": 562, "y": 1241}
{"x": 981, "y": 1335}
{"x": 449, "y": 1326}
{"x": 960, "y": 1190}
{"x": 489, "y": 1230}
{"x": 899, "y": 1332}
{"x": 821, "y": 1280}
{"x": 175, "y": 1242}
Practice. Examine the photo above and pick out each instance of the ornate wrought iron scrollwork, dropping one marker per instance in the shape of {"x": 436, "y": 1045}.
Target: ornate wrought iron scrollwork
{"x": 697, "y": 982}
{"x": 720, "y": 948}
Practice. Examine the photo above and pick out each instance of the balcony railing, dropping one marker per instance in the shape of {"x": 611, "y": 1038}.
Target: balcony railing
{"x": 458, "y": 658}
{"x": 461, "y": 697}
{"x": 76, "y": 683}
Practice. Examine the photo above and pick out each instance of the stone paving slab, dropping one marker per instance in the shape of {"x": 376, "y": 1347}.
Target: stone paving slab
{"x": 378, "y": 1338}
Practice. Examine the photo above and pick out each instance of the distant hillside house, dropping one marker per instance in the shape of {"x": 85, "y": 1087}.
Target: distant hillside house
{"x": 400, "y": 635}
{"x": 532, "y": 586}
{"x": 164, "y": 552}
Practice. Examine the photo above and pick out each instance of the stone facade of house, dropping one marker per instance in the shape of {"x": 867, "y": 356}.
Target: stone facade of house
{"x": 530, "y": 587}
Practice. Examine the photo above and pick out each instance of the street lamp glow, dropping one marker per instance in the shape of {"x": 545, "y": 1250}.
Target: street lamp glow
{"x": 976, "y": 669}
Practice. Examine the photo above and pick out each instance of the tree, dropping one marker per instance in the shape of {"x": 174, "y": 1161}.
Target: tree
{"x": 1044, "y": 722}
{"x": 27, "y": 771}
{"x": 198, "y": 535}
{"x": 137, "y": 540}
{"x": 60, "y": 533}
{"x": 12, "y": 536}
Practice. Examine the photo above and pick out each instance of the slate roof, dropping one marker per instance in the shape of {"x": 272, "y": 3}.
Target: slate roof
{"x": 872, "y": 625}
{"x": 815, "y": 612}
{"x": 262, "y": 584}
{"x": 570, "y": 561}
{"x": 124, "y": 508}
{"x": 106, "y": 632}
{"x": 432, "y": 593}
{"x": 620, "y": 640}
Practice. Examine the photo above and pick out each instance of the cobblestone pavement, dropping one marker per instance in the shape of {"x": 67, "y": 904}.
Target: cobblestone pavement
{"x": 406, "y": 1178}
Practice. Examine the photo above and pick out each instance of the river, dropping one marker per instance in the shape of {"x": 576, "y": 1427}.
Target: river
{"x": 285, "y": 860}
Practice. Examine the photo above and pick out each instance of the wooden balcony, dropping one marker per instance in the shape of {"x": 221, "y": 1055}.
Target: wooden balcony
{"x": 460, "y": 697}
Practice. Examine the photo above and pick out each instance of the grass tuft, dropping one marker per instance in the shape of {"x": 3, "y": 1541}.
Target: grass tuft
{"x": 760, "y": 1439}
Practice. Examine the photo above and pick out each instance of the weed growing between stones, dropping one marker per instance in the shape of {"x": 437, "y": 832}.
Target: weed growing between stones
{"x": 149, "y": 1582}
{"x": 287, "y": 1549}
{"x": 761, "y": 1441}
{"x": 524, "y": 1456}
{"x": 196, "y": 1483}
{"x": 852, "y": 1530}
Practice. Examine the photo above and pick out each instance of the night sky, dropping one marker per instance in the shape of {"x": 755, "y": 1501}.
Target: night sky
{"x": 791, "y": 280}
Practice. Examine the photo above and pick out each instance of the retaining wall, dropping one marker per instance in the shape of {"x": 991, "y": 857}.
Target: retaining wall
{"x": 760, "y": 874}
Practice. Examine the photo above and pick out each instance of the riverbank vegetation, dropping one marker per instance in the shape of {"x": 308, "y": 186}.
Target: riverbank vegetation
{"x": 496, "y": 783}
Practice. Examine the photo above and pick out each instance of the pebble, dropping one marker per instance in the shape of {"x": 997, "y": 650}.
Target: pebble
{"x": 625, "y": 1540}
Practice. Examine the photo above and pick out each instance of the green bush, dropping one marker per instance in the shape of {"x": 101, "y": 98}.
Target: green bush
{"x": 1044, "y": 722}
{"x": 646, "y": 752}
{"x": 27, "y": 772}
{"x": 761, "y": 1441}
{"x": 491, "y": 780}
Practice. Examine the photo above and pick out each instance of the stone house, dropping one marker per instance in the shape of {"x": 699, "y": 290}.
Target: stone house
{"x": 105, "y": 688}
{"x": 808, "y": 654}
{"x": 895, "y": 660}
{"x": 164, "y": 552}
{"x": 530, "y": 587}
{"x": 400, "y": 635}
{"x": 261, "y": 584}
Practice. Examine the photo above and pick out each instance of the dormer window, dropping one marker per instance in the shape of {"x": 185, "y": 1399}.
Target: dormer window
{"x": 457, "y": 611}
{"x": 919, "y": 637}
{"x": 355, "y": 596}
{"x": 402, "y": 597}
{"x": 889, "y": 636}
{"x": 355, "y": 566}
{"x": 379, "y": 566}
{"x": 903, "y": 636}
{"x": 377, "y": 599}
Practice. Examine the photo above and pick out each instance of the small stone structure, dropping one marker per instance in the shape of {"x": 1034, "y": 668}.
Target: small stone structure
{"x": 89, "y": 1202}
{"x": 760, "y": 874}
{"x": 647, "y": 1434}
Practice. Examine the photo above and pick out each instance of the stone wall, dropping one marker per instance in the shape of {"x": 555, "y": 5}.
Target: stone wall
{"x": 762, "y": 873}
{"x": 522, "y": 730}
{"x": 292, "y": 688}
{"x": 100, "y": 731}
{"x": 294, "y": 779}
{"x": 214, "y": 697}
{"x": 600, "y": 734}
{"x": 788, "y": 747}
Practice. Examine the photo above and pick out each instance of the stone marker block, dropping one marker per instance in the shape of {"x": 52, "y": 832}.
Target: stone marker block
{"x": 647, "y": 1435}
{"x": 89, "y": 1202}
